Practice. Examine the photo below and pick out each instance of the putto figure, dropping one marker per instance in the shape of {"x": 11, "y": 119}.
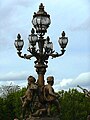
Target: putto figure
{"x": 32, "y": 106}
{"x": 28, "y": 98}
{"x": 50, "y": 96}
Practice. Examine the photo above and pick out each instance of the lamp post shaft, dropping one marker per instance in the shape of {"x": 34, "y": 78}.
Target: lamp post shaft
{"x": 41, "y": 44}
{"x": 40, "y": 69}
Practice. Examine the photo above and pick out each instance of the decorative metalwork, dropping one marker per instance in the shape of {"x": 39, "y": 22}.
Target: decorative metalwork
{"x": 41, "y": 48}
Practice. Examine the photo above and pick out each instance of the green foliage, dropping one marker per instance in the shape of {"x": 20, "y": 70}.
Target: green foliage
{"x": 74, "y": 105}
{"x": 10, "y": 106}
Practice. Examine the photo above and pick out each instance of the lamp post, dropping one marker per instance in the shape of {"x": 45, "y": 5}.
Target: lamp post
{"x": 39, "y": 47}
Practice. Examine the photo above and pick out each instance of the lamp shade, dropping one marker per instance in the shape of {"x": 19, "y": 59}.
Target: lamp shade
{"x": 41, "y": 20}
{"x": 63, "y": 40}
{"x": 19, "y": 43}
{"x": 32, "y": 38}
{"x": 48, "y": 45}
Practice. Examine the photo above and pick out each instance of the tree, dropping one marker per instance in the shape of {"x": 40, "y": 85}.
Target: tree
{"x": 74, "y": 105}
{"x": 5, "y": 90}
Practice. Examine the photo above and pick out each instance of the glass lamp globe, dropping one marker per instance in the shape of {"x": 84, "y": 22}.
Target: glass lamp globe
{"x": 41, "y": 20}
{"x": 32, "y": 38}
{"x": 63, "y": 40}
{"x": 19, "y": 43}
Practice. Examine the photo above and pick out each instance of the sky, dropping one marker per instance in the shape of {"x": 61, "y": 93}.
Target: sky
{"x": 72, "y": 16}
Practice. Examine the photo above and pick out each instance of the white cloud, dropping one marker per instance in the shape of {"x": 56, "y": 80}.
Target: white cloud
{"x": 21, "y": 79}
{"x": 14, "y": 76}
{"x": 65, "y": 82}
{"x": 83, "y": 80}
{"x": 21, "y": 83}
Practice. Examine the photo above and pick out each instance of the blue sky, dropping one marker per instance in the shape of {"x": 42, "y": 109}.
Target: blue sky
{"x": 72, "y": 16}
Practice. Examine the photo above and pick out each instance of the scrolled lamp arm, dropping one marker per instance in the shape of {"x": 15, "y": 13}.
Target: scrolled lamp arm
{"x": 25, "y": 56}
{"x": 54, "y": 55}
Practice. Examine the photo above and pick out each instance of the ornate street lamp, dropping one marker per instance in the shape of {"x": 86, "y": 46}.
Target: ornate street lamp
{"x": 39, "y": 47}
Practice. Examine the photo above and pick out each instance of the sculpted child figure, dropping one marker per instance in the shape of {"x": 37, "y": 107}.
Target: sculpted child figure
{"x": 28, "y": 98}
{"x": 50, "y": 96}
